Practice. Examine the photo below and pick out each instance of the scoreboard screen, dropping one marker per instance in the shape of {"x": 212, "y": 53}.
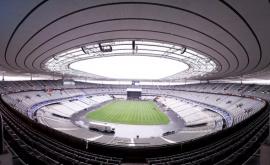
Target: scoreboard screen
{"x": 134, "y": 93}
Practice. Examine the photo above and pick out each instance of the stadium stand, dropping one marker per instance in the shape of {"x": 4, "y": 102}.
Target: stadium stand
{"x": 134, "y": 82}
{"x": 34, "y": 142}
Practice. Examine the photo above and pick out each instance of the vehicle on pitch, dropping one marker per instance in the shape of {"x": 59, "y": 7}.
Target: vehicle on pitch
{"x": 101, "y": 127}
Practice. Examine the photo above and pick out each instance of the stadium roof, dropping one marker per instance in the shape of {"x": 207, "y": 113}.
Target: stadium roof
{"x": 216, "y": 39}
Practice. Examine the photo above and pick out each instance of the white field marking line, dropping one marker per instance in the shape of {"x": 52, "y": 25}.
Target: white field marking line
{"x": 194, "y": 131}
{"x": 94, "y": 138}
{"x": 132, "y": 142}
{"x": 45, "y": 122}
{"x": 42, "y": 120}
{"x": 66, "y": 129}
{"x": 58, "y": 120}
{"x": 167, "y": 140}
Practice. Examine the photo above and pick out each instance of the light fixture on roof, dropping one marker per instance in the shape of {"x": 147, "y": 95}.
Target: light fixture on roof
{"x": 55, "y": 58}
{"x": 183, "y": 50}
{"x": 134, "y": 47}
{"x": 180, "y": 52}
{"x": 207, "y": 60}
{"x": 85, "y": 50}
{"x": 105, "y": 48}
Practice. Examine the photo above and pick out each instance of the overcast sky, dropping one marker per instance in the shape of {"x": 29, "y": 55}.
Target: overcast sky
{"x": 131, "y": 67}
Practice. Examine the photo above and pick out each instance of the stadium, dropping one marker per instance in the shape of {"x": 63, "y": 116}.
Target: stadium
{"x": 126, "y": 82}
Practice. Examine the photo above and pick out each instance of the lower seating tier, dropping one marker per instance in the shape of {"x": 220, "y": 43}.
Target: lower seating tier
{"x": 39, "y": 144}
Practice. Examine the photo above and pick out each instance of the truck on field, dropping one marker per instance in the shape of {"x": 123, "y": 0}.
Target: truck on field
{"x": 101, "y": 127}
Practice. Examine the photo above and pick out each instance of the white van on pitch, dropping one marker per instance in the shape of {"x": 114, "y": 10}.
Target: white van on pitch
{"x": 101, "y": 127}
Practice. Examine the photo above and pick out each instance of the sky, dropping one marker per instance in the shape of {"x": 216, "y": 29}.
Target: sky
{"x": 130, "y": 67}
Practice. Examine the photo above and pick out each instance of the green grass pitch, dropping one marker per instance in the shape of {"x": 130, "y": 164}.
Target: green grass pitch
{"x": 129, "y": 112}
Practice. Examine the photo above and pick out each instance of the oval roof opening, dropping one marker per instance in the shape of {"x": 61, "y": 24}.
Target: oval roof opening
{"x": 130, "y": 67}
